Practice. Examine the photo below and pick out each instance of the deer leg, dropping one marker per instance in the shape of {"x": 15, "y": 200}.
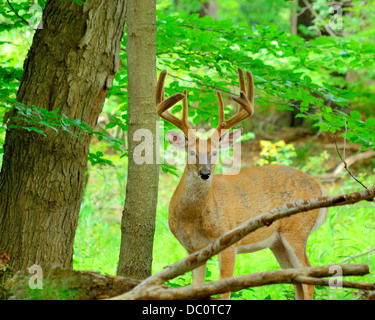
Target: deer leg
{"x": 199, "y": 274}
{"x": 227, "y": 261}
{"x": 295, "y": 252}
{"x": 282, "y": 258}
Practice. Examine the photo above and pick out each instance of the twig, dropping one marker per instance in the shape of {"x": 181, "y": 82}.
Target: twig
{"x": 333, "y": 176}
{"x": 16, "y": 13}
{"x": 344, "y": 149}
{"x": 343, "y": 159}
{"x": 358, "y": 255}
{"x": 198, "y": 258}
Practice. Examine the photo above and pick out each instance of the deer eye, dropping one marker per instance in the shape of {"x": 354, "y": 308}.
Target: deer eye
{"x": 192, "y": 153}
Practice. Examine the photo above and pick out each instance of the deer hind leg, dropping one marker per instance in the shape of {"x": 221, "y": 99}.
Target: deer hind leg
{"x": 199, "y": 274}
{"x": 227, "y": 261}
{"x": 292, "y": 254}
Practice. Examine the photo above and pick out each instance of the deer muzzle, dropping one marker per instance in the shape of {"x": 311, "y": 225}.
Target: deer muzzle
{"x": 204, "y": 174}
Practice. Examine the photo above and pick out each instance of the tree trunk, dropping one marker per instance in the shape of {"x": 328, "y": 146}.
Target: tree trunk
{"x": 70, "y": 66}
{"x": 138, "y": 221}
{"x": 208, "y": 8}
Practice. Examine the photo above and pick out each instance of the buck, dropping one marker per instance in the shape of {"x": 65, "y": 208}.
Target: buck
{"x": 205, "y": 206}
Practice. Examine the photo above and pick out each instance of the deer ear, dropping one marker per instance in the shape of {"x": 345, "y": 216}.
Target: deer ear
{"x": 228, "y": 138}
{"x": 177, "y": 139}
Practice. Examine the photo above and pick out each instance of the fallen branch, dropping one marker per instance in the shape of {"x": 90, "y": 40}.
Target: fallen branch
{"x": 349, "y": 146}
{"x": 332, "y": 177}
{"x": 343, "y": 284}
{"x": 311, "y": 275}
{"x": 198, "y": 258}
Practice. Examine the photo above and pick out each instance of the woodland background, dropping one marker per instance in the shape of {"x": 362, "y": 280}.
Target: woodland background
{"x": 315, "y": 106}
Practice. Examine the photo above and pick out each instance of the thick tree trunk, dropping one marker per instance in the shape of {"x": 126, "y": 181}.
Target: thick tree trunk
{"x": 138, "y": 221}
{"x": 70, "y": 66}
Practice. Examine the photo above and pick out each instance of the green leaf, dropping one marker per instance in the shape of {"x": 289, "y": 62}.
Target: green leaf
{"x": 355, "y": 115}
{"x": 35, "y": 129}
{"x": 324, "y": 126}
{"x": 370, "y": 122}
{"x": 110, "y": 125}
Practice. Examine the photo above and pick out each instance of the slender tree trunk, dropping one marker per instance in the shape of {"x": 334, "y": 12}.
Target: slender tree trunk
{"x": 138, "y": 221}
{"x": 70, "y": 66}
{"x": 208, "y": 8}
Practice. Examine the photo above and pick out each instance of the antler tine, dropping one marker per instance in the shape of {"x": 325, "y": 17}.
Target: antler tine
{"x": 222, "y": 123}
{"x": 162, "y": 105}
{"x": 250, "y": 87}
{"x": 241, "y": 79}
{"x": 185, "y": 111}
{"x": 159, "y": 91}
{"x": 246, "y": 102}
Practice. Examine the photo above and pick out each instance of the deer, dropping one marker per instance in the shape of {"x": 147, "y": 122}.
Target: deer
{"x": 205, "y": 206}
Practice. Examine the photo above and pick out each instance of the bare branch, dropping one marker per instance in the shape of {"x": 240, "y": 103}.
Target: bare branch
{"x": 311, "y": 275}
{"x": 346, "y": 167}
{"x": 333, "y": 176}
{"x": 16, "y": 13}
{"x": 358, "y": 255}
{"x": 343, "y": 284}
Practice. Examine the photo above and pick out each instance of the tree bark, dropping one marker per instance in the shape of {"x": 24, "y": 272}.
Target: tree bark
{"x": 138, "y": 221}
{"x": 70, "y": 65}
{"x": 208, "y": 8}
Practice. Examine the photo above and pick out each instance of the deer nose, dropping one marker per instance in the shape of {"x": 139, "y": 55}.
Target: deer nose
{"x": 204, "y": 174}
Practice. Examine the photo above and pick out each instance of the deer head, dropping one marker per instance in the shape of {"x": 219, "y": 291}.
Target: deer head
{"x": 202, "y": 155}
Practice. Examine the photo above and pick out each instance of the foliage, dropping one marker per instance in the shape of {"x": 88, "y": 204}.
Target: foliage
{"x": 35, "y": 119}
{"x": 276, "y": 153}
{"x": 203, "y": 54}
{"x": 316, "y": 164}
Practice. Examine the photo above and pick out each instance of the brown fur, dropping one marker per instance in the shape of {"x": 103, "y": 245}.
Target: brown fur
{"x": 202, "y": 210}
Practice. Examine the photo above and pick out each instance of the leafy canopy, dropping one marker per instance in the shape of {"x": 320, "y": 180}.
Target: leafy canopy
{"x": 329, "y": 80}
